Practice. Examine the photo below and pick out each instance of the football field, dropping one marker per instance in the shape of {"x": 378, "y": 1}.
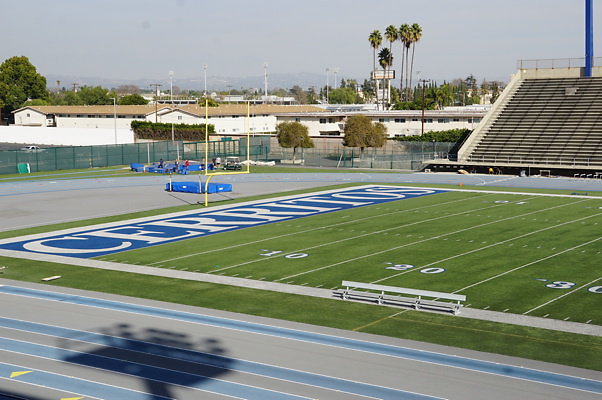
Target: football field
{"x": 521, "y": 253}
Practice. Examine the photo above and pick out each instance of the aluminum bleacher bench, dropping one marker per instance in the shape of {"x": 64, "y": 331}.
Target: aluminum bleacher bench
{"x": 392, "y": 295}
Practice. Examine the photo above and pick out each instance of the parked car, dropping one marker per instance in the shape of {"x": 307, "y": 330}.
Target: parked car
{"x": 232, "y": 164}
{"x": 31, "y": 148}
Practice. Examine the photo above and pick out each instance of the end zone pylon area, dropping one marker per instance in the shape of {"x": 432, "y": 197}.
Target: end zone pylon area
{"x": 211, "y": 173}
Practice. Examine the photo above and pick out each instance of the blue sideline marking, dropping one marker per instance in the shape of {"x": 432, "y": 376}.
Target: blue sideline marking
{"x": 209, "y": 359}
{"x": 359, "y": 345}
{"x": 67, "y": 384}
{"x": 87, "y": 242}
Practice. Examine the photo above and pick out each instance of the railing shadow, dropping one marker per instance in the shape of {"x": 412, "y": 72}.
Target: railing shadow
{"x": 160, "y": 358}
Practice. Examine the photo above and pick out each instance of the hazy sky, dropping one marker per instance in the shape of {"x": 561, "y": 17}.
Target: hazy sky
{"x": 130, "y": 39}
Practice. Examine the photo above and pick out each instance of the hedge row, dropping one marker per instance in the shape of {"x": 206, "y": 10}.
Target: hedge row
{"x": 162, "y": 131}
{"x": 452, "y": 135}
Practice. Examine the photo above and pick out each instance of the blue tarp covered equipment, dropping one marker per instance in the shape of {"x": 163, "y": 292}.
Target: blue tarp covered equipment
{"x": 197, "y": 187}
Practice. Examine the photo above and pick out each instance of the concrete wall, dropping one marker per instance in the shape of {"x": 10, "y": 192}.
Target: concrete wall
{"x": 64, "y": 136}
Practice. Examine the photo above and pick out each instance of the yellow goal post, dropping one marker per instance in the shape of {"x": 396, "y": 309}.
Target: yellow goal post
{"x": 213, "y": 173}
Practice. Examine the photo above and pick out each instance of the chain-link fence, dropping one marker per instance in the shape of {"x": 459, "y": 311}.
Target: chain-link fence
{"x": 396, "y": 155}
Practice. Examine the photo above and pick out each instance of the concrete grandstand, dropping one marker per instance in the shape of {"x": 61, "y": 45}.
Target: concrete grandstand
{"x": 547, "y": 121}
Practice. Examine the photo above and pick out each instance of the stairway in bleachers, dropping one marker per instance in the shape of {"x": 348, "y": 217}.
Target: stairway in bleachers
{"x": 547, "y": 122}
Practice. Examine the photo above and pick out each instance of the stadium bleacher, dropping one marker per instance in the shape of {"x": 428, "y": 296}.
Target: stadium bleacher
{"x": 547, "y": 121}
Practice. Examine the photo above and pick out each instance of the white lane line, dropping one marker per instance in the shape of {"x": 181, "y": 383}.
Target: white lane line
{"x": 433, "y": 238}
{"x": 528, "y": 264}
{"x": 309, "y": 230}
{"x": 367, "y": 234}
{"x": 564, "y": 295}
{"x": 489, "y": 246}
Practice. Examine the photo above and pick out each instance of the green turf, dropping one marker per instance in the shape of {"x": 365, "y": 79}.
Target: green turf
{"x": 539, "y": 344}
{"x": 500, "y": 250}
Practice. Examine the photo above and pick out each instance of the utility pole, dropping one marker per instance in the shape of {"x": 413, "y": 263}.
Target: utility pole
{"x": 75, "y": 85}
{"x": 156, "y": 86}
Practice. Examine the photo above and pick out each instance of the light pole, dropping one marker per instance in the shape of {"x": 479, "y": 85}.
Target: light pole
{"x": 335, "y": 71}
{"x": 171, "y": 101}
{"x": 205, "y": 78}
{"x": 327, "y": 71}
{"x": 422, "y": 119}
{"x": 265, "y": 79}
{"x": 115, "y": 117}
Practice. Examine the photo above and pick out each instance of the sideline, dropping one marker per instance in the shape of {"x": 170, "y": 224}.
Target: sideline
{"x": 495, "y": 316}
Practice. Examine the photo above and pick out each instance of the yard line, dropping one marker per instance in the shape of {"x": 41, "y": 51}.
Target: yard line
{"x": 434, "y": 238}
{"x": 528, "y": 264}
{"x": 560, "y": 297}
{"x": 313, "y": 229}
{"x": 371, "y": 234}
{"x": 489, "y": 246}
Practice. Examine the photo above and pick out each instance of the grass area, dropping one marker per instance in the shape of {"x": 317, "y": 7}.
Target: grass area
{"x": 538, "y": 344}
{"x": 502, "y": 250}
{"x": 493, "y": 248}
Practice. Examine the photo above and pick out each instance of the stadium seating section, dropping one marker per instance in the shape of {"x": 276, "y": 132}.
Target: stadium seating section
{"x": 547, "y": 122}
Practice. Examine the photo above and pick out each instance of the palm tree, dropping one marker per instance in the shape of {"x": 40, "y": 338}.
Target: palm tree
{"x": 392, "y": 34}
{"x": 405, "y": 35}
{"x": 375, "y": 40}
{"x": 385, "y": 59}
{"x": 416, "y": 31}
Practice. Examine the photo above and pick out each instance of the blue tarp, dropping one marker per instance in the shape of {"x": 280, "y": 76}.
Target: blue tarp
{"x": 198, "y": 187}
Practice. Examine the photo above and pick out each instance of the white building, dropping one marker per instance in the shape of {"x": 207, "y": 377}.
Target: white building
{"x": 232, "y": 120}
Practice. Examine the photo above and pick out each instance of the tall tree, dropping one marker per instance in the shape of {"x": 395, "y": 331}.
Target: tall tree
{"x": 392, "y": 34}
{"x": 405, "y": 37}
{"x": 375, "y": 40}
{"x": 361, "y": 132}
{"x": 135, "y": 99}
{"x": 293, "y": 134}
{"x": 19, "y": 81}
{"x": 385, "y": 59}
{"x": 95, "y": 95}
{"x": 416, "y": 35}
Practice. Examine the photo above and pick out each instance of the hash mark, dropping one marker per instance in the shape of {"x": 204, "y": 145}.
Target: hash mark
{"x": 545, "y": 316}
{"x": 567, "y": 318}
{"x": 588, "y": 321}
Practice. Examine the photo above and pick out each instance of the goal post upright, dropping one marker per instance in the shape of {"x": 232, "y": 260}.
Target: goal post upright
{"x": 210, "y": 175}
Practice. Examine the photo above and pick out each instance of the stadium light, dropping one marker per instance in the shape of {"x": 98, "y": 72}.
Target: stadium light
{"x": 114, "y": 117}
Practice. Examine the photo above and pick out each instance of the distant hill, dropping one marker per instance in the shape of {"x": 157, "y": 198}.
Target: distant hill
{"x": 286, "y": 81}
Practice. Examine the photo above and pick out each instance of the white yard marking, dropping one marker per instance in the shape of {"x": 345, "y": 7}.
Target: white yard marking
{"x": 566, "y": 294}
{"x": 528, "y": 264}
{"x": 492, "y": 245}
{"x": 306, "y": 231}
{"x": 387, "y": 250}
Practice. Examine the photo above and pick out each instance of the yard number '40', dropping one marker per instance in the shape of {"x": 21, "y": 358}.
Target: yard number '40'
{"x": 269, "y": 253}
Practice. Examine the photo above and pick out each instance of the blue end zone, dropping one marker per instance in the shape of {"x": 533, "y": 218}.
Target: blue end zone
{"x": 87, "y": 242}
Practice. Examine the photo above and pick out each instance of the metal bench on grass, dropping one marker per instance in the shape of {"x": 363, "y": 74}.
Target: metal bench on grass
{"x": 417, "y": 299}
